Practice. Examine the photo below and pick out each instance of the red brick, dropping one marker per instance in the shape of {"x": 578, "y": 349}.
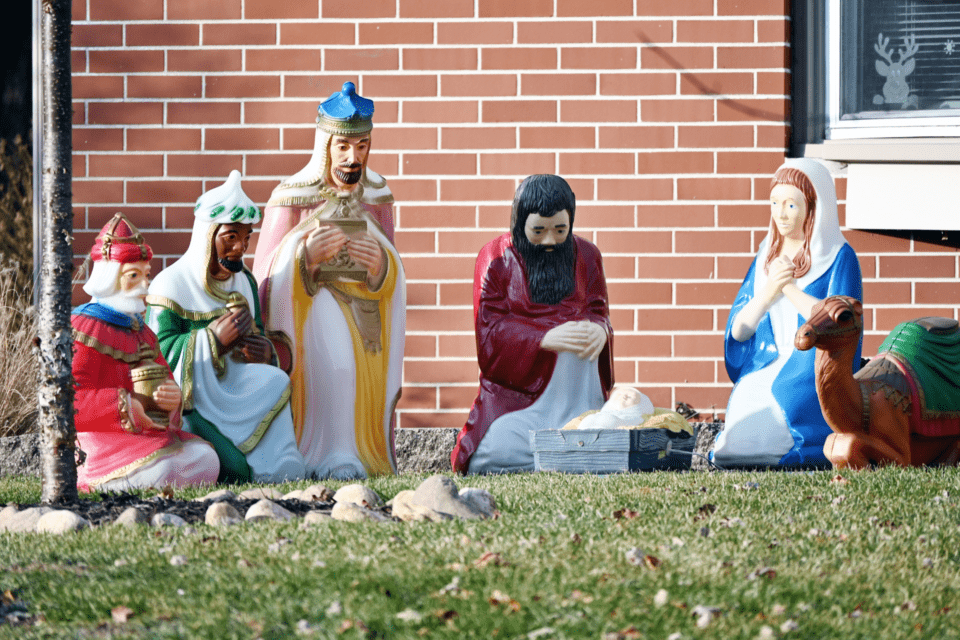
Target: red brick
{"x": 733, "y": 267}
{"x": 887, "y": 319}
{"x": 86, "y": 36}
{"x": 678, "y": 58}
{"x": 444, "y": 111}
{"x": 638, "y": 293}
{"x": 427, "y": 268}
{"x": 492, "y": 164}
{"x": 868, "y": 267}
{"x": 439, "y": 319}
{"x": 604, "y": 110}
{"x": 417, "y": 397}
{"x": 918, "y": 266}
{"x": 515, "y": 8}
{"x": 208, "y": 10}
{"x": 404, "y": 138}
{"x": 125, "y": 113}
{"x": 162, "y": 35}
{"x": 459, "y": 293}
{"x": 96, "y": 191}
{"x": 713, "y": 83}
{"x": 713, "y": 188}
{"x": 163, "y": 191}
{"x": 271, "y": 9}
{"x": 242, "y": 139}
{"x": 519, "y": 111}
{"x": 638, "y": 84}
{"x": 674, "y": 162}
{"x": 170, "y": 243}
{"x": 622, "y": 268}
{"x": 752, "y": 7}
{"x": 474, "y": 32}
{"x": 446, "y": 9}
{"x": 891, "y": 293}
{"x": 756, "y": 57}
{"x": 777, "y": 136}
{"x": 581, "y": 186}
{"x": 705, "y": 31}
{"x": 126, "y": 165}
{"x": 604, "y": 8}
{"x": 324, "y": 32}
{"x": 78, "y": 11}
{"x": 634, "y": 31}
{"x": 142, "y": 217}
{"x": 242, "y": 86}
{"x": 205, "y": 164}
{"x": 635, "y": 189}
{"x": 125, "y": 61}
{"x": 676, "y": 110}
{"x": 648, "y": 346}
{"x": 704, "y": 399}
{"x": 421, "y": 293}
{"x": 163, "y": 139}
{"x": 356, "y": 59}
{"x": 636, "y": 241}
{"x": 464, "y": 190}
{"x": 85, "y": 139}
{"x": 931, "y": 293}
{"x": 400, "y": 86}
{"x": 439, "y": 163}
{"x": 417, "y": 242}
{"x": 440, "y": 58}
{"x": 351, "y": 10}
{"x": 535, "y": 58}
{"x": 468, "y": 242}
{"x": 431, "y": 420}
{"x": 674, "y": 215}
{"x": 743, "y": 215}
{"x": 932, "y": 241}
{"x": 596, "y": 163}
{"x": 97, "y": 87}
{"x": 557, "y": 138}
{"x": 773, "y": 31}
{"x": 598, "y": 58}
{"x": 773, "y": 83}
{"x": 774, "y": 109}
{"x": 435, "y": 217}
{"x": 164, "y": 86}
{"x": 713, "y": 240}
{"x": 78, "y": 61}
{"x": 554, "y": 31}
{"x": 203, "y": 113}
{"x": 409, "y": 190}
{"x": 241, "y": 33}
{"x": 380, "y": 33}
{"x": 685, "y": 371}
{"x": 204, "y": 60}
{"x": 291, "y": 59}
{"x": 674, "y": 319}
{"x": 319, "y": 87}
{"x": 713, "y": 136}
{"x": 749, "y": 161}
{"x": 478, "y": 138}
{"x": 125, "y": 10}
{"x": 270, "y": 164}
{"x": 869, "y": 242}
{"x": 478, "y": 85}
{"x": 558, "y": 84}
{"x": 633, "y": 137}
{"x": 687, "y": 345}
{"x": 458, "y": 397}
{"x": 78, "y": 169}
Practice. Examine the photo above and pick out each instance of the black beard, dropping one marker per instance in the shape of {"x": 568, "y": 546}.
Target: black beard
{"x": 348, "y": 177}
{"x": 236, "y": 266}
{"x": 551, "y": 275}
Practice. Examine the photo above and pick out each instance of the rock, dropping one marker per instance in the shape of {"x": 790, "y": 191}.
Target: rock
{"x": 706, "y": 437}
{"x": 267, "y": 510}
{"x": 22, "y": 521}
{"x": 350, "y": 512}
{"x": 60, "y": 521}
{"x": 424, "y": 450}
{"x": 359, "y": 495}
{"x": 317, "y": 493}
{"x": 480, "y": 499}
{"x": 20, "y": 455}
{"x": 405, "y": 509}
{"x": 261, "y": 493}
{"x": 296, "y": 494}
{"x": 222, "y": 514}
{"x": 440, "y": 494}
{"x": 316, "y": 517}
{"x": 167, "y": 520}
{"x": 131, "y": 517}
{"x": 216, "y": 496}
{"x": 178, "y": 560}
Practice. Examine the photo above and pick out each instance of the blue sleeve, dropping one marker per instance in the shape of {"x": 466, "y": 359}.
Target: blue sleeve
{"x": 758, "y": 350}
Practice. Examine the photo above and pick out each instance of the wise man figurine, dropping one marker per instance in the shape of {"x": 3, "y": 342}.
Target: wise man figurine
{"x": 205, "y": 311}
{"x": 332, "y": 290}
{"x": 544, "y": 340}
{"x": 128, "y": 408}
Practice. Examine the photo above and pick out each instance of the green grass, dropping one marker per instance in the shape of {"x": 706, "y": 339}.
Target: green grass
{"x": 875, "y": 557}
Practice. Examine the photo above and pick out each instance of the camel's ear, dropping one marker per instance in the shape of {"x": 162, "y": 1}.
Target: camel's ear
{"x": 858, "y": 307}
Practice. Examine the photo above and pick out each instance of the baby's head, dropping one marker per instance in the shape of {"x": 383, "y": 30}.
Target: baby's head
{"x": 623, "y": 397}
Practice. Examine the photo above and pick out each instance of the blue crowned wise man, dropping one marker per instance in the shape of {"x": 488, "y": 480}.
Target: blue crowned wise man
{"x": 773, "y": 416}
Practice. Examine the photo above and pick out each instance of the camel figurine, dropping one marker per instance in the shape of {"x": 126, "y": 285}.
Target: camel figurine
{"x": 903, "y": 406}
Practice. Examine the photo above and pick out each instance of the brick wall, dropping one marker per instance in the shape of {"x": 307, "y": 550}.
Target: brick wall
{"x": 668, "y": 119}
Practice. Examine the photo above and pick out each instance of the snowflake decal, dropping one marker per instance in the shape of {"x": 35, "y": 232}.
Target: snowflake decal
{"x": 948, "y": 48}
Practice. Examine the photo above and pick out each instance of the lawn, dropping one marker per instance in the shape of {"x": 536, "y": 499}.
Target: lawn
{"x": 793, "y": 555}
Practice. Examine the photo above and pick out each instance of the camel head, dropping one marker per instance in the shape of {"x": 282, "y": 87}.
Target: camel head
{"x": 834, "y": 322}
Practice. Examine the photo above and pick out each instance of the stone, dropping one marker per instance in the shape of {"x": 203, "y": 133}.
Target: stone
{"x": 222, "y": 514}
{"x": 261, "y": 493}
{"x": 131, "y": 517}
{"x": 350, "y": 512}
{"x": 480, "y": 499}
{"x": 167, "y": 520}
{"x": 267, "y": 510}
{"x": 316, "y": 517}
{"x": 440, "y": 494}
{"x": 424, "y": 450}
{"x": 22, "y": 521}
{"x": 405, "y": 509}
{"x": 20, "y": 455}
{"x": 706, "y": 437}
{"x": 296, "y": 494}
{"x": 178, "y": 560}
{"x": 359, "y": 495}
{"x": 60, "y": 521}
{"x": 216, "y": 496}
{"x": 317, "y": 493}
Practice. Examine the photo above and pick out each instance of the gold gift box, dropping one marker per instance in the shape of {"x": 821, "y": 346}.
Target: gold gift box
{"x": 342, "y": 266}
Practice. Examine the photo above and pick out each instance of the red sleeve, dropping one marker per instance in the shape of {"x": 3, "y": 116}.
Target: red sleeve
{"x": 97, "y": 398}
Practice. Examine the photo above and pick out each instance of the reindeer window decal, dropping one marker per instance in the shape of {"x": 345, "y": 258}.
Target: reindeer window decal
{"x": 895, "y": 89}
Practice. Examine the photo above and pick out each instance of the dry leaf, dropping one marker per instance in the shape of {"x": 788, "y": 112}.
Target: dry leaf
{"x": 499, "y": 597}
{"x": 652, "y": 562}
{"x": 630, "y": 633}
{"x": 705, "y": 511}
{"x": 489, "y": 558}
{"x": 446, "y": 614}
{"x": 166, "y": 493}
{"x": 765, "y": 572}
{"x": 121, "y": 614}
{"x": 8, "y": 597}
{"x": 839, "y": 479}
{"x": 626, "y": 514}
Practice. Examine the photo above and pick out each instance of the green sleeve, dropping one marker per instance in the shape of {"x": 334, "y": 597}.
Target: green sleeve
{"x": 233, "y": 464}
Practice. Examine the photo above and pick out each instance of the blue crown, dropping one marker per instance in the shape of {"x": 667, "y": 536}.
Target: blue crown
{"x": 346, "y": 112}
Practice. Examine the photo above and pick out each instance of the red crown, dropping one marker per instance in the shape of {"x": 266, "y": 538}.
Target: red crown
{"x": 120, "y": 241}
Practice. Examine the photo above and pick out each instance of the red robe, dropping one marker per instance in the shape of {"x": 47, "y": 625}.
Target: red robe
{"x": 514, "y": 370}
{"x": 103, "y": 354}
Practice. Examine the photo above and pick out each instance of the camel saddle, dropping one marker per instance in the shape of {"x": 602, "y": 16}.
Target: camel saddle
{"x": 918, "y": 365}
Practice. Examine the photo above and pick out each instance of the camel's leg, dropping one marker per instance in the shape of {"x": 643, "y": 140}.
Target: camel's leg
{"x": 936, "y": 451}
{"x": 887, "y": 442}
{"x": 846, "y": 450}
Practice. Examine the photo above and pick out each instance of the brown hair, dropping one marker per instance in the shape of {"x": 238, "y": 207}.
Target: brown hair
{"x": 798, "y": 179}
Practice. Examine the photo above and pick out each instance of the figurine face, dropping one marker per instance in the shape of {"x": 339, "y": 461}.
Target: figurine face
{"x": 229, "y": 243}
{"x": 788, "y": 209}
{"x": 548, "y": 232}
{"x": 348, "y": 157}
{"x": 134, "y": 278}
